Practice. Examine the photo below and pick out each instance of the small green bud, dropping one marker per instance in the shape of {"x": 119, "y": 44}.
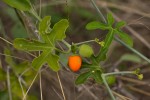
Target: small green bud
{"x": 85, "y": 50}
{"x": 140, "y": 76}
{"x": 102, "y": 43}
{"x": 137, "y": 71}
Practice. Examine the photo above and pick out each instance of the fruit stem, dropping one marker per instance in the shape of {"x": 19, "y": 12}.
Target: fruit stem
{"x": 84, "y": 42}
{"x": 122, "y": 73}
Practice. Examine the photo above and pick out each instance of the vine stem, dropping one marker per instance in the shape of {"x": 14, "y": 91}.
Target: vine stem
{"x": 113, "y": 73}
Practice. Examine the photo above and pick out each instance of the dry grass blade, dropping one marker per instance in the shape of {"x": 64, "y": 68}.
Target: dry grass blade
{"x": 139, "y": 90}
{"x": 128, "y": 9}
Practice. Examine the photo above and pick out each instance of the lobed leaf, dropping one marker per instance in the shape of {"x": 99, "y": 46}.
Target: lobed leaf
{"x": 23, "y": 44}
{"x": 40, "y": 60}
{"x": 53, "y": 62}
{"x": 44, "y": 25}
{"x": 58, "y": 31}
{"x": 50, "y": 37}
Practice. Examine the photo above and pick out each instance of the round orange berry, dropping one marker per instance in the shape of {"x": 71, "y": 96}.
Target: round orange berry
{"x": 74, "y": 62}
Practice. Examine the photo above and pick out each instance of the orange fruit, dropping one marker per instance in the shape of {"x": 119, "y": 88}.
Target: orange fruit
{"x": 74, "y": 62}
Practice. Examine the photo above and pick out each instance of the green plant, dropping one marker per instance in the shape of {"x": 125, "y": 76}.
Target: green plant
{"x": 49, "y": 53}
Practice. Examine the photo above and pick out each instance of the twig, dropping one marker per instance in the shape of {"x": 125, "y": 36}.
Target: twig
{"x": 30, "y": 86}
{"x": 139, "y": 90}
{"x": 13, "y": 57}
{"x": 41, "y": 86}
{"x": 6, "y": 41}
{"x": 8, "y": 83}
{"x": 61, "y": 86}
{"x": 88, "y": 90}
{"x": 19, "y": 79}
{"x": 121, "y": 96}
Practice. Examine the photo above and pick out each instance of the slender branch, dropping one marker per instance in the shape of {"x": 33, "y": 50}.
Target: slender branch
{"x": 84, "y": 42}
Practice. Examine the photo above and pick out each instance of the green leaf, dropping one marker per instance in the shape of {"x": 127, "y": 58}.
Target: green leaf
{"x": 44, "y": 25}
{"x": 23, "y": 5}
{"x": 50, "y": 37}
{"x": 97, "y": 76}
{"x": 131, "y": 57}
{"x": 52, "y": 61}
{"x": 96, "y": 25}
{"x": 102, "y": 55}
{"x": 58, "y": 31}
{"x": 15, "y": 86}
{"x": 108, "y": 39}
{"x": 26, "y": 45}
{"x": 4, "y": 95}
{"x": 20, "y": 68}
{"x": 120, "y": 24}
{"x": 103, "y": 51}
{"x": 2, "y": 75}
{"x": 9, "y": 59}
{"x": 18, "y": 30}
{"x": 40, "y": 60}
{"x": 125, "y": 38}
{"x": 110, "y": 19}
{"x": 82, "y": 78}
